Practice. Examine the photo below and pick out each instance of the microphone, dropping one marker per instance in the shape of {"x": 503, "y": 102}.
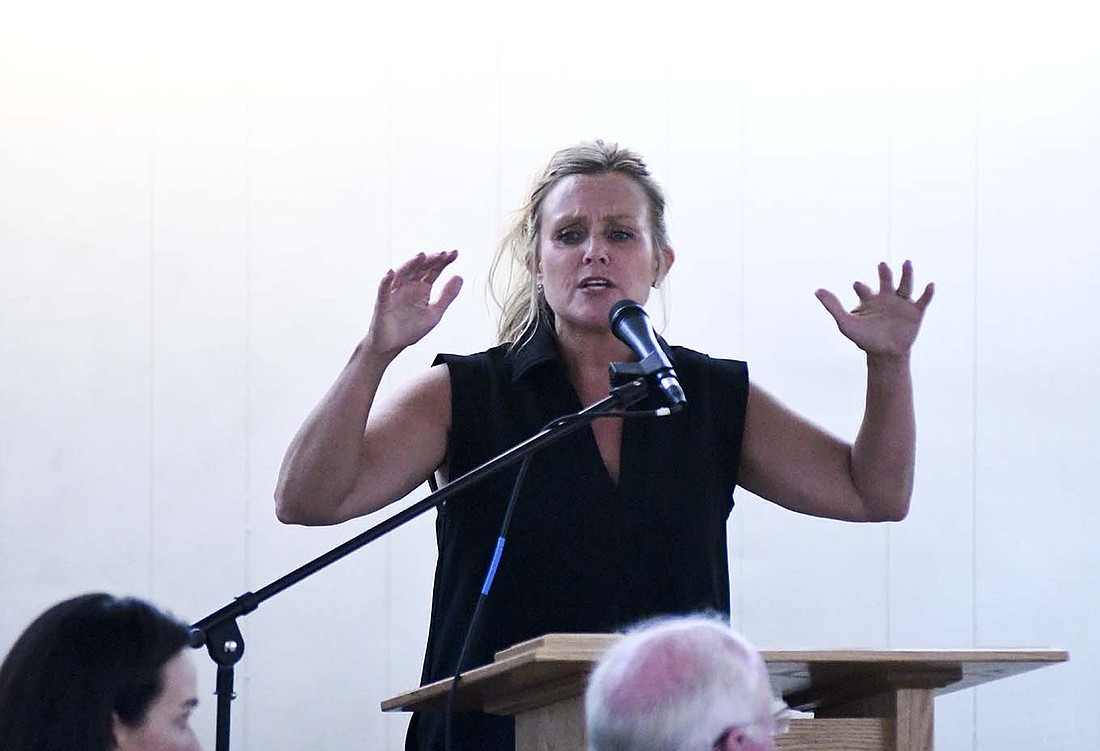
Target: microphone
{"x": 630, "y": 323}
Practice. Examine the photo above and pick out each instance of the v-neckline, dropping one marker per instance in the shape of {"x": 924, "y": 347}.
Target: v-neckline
{"x": 616, "y": 478}
{"x": 592, "y": 447}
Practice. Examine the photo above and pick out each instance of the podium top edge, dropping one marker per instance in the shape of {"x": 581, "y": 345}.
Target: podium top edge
{"x": 550, "y": 656}
{"x": 859, "y": 654}
{"x": 585, "y": 644}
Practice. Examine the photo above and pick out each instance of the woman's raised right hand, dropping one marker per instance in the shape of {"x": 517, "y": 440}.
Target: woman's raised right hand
{"x": 403, "y": 311}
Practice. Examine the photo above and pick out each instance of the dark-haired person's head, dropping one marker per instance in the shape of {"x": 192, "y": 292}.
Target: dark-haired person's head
{"x": 99, "y": 673}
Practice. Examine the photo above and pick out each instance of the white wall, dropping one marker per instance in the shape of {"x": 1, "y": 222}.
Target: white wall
{"x": 197, "y": 200}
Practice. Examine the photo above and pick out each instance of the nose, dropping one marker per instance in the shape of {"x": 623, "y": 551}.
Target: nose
{"x": 595, "y": 251}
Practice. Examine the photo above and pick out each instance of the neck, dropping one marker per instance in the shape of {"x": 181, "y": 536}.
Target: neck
{"x": 587, "y": 355}
{"x": 596, "y": 347}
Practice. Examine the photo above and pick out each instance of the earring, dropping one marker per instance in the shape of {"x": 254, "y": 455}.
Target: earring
{"x": 539, "y": 287}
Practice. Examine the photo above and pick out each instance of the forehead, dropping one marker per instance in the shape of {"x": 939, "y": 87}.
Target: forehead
{"x": 609, "y": 194}
{"x": 180, "y": 679}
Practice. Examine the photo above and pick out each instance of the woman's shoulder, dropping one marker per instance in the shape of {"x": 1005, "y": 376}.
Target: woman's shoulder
{"x": 497, "y": 356}
{"x": 690, "y": 358}
{"x": 478, "y": 375}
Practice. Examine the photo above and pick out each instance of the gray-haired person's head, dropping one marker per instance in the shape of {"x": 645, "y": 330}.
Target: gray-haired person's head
{"x": 681, "y": 684}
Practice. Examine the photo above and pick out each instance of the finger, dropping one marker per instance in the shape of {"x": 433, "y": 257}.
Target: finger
{"x": 863, "y": 292}
{"x": 435, "y": 265}
{"x": 448, "y": 294}
{"x": 905, "y": 286}
{"x": 832, "y": 304}
{"x": 885, "y": 278}
{"x": 926, "y": 297}
{"x": 386, "y": 284}
{"x": 412, "y": 268}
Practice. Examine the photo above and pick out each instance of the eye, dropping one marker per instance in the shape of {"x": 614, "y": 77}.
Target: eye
{"x": 620, "y": 235}
{"x": 183, "y": 721}
{"x": 569, "y": 236}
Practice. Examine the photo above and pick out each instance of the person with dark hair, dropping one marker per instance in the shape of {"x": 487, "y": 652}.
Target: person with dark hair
{"x": 99, "y": 673}
{"x": 682, "y": 684}
{"x": 623, "y": 520}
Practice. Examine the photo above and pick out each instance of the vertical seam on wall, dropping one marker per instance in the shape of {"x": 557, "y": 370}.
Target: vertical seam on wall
{"x": 152, "y": 313}
{"x": 246, "y": 552}
{"x": 247, "y": 331}
{"x": 975, "y": 407}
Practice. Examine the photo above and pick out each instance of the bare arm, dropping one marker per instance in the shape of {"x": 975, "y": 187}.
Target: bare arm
{"x": 796, "y": 464}
{"x": 349, "y": 457}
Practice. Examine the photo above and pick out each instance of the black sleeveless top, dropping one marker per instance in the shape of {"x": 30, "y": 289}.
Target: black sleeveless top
{"x": 582, "y": 554}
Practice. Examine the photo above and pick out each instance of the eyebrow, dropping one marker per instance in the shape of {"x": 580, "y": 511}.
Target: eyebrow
{"x": 572, "y": 217}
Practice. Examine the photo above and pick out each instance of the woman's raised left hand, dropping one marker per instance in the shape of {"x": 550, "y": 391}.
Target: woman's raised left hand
{"x": 885, "y": 322}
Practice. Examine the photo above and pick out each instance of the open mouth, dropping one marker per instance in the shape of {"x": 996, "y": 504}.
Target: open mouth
{"x": 595, "y": 282}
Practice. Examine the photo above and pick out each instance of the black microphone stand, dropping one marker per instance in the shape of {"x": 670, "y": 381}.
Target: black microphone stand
{"x": 219, "y": 631}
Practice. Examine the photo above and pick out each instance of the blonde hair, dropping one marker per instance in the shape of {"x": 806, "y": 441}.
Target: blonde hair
{"x": 512, "y": 276}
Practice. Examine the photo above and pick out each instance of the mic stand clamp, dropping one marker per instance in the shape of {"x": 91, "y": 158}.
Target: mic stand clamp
{"x": 624, "y": 373}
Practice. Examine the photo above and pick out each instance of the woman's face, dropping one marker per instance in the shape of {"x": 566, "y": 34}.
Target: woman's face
{"x": 167, "y": 723}
{"x": 595, "y": 248}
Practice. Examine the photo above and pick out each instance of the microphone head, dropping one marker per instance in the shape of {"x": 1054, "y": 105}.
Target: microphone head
{"x": 630, "y": 323}
{"x": 620, "y": 309}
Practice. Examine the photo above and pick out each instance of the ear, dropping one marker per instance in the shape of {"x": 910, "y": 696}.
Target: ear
{"x": 120, "y": 734}
{"x": 668, "y": 256}
{"x": 533, "y": 264}
{"x": 739, "y": 740}
{"x": 532, "y": 261}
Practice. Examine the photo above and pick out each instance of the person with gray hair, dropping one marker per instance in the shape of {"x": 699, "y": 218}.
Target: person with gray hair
{"x": 682, "y": 684}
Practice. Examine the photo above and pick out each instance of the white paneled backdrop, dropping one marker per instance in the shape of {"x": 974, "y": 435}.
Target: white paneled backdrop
{"x": 197, "y": 201}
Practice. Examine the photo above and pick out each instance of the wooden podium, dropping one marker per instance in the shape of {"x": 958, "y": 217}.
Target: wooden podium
{"x": 861, "y": 700}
